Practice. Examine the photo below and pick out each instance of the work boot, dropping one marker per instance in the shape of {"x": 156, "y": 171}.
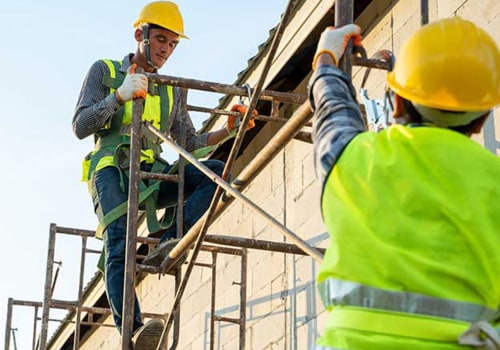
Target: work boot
{"x": 160, "y": 253}
{"x": 148, "y": 336}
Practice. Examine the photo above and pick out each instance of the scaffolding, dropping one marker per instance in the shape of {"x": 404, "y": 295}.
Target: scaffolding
{"x": 196, "y": 239}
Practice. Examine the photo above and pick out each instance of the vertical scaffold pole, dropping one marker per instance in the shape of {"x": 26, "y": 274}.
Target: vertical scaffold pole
{"x": 47, "y": 297}
{"x": 132, "y": 224}
{"x": 76, "y": 341}
{"x": 8, "y": 323}
{"x": 344, "y": 14}
{"x": 424, "y": 12}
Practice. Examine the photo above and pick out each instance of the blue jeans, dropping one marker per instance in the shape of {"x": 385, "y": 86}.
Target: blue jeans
{"x": 198, "y": 190}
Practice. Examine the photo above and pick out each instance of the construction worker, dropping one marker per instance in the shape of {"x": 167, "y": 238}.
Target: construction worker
{"x": 104, "y": 109}
{"x": 413, "y": 210}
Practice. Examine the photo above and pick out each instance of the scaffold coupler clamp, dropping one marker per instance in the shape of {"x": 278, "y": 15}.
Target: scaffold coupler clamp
{"x": 378, "y": 111}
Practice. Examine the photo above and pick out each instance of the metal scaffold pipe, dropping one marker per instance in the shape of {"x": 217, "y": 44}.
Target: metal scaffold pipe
{"x": 48, "y": 287}
{"x": 313, "y": 252}
{"x": 265, "y": 95}
{"x": 132, "y": 224}
{"x": 344, "y": 13}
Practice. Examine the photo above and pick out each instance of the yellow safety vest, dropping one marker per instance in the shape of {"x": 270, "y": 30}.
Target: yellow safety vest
{"x": 157, "y": 109}
{"x": 414, "y": 221}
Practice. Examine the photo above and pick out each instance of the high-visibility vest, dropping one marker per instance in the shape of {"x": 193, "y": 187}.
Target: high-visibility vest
{"x": 157, "y": 109}
{"x": 112, "y": 147}
{"x": 414, "y": 220}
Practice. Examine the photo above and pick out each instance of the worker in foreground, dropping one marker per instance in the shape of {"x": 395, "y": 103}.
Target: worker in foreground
{"x": 104, "y": 109}
{"x": 412, "y": 211}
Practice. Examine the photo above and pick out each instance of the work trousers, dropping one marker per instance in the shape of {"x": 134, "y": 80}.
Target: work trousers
{"x": 198, "y": 189}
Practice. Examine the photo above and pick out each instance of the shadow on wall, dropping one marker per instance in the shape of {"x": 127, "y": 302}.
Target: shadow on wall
{"x": 298, "y": 316}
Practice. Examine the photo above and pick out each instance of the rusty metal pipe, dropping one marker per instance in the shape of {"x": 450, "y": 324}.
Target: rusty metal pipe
{"x": 212, "y": 301}
{"x": 35, "y": 322}
{"x": 48, "y": 287}
{"x": 371, "y": 63}
{"x": 8, "y": 323}
{"x": 287, "y": 248}
{"x": 344, "y": 14}
{"x": 264, "y": 118}
{"x": 76, "y": 341}
{"x": 424, "y": 12}
{"x": 132, "y": 224}
{"x": 266, "y": 95}
{"x": 75, "y": 231}
{"x": 160, "y": 177}
{"x": 243, "y": 298}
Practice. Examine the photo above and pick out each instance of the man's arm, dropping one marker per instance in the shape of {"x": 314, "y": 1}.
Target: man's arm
{"x": 95, "y": 105}
{"x": 195, "y": 141}
{"x": 337, "y": 117}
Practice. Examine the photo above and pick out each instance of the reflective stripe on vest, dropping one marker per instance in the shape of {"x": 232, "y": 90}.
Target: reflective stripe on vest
{"x": 344, "y": 293}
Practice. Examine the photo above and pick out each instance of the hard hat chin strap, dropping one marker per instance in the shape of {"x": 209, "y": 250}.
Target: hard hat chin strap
{"x": 145, "y": 42}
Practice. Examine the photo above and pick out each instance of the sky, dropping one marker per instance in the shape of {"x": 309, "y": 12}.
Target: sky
{"x": 48, "y": 47}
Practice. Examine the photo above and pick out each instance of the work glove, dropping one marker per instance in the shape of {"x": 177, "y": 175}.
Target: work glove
{"x": 134, "y": 85}
{"x": 333, "y": 41}
{"x": 234, "y": 122}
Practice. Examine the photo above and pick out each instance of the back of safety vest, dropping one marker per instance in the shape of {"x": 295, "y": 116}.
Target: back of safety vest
{"x": 415, "y": 209}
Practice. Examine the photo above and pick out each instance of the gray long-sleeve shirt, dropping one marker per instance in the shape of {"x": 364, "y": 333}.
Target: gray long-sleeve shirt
{"x": 337, "y": 117}
{"x": 96, "y": 106}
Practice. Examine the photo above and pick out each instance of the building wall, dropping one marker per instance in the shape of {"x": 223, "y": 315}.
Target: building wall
{"x": 283, "y": 308}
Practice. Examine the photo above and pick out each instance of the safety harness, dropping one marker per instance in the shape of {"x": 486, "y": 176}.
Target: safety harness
{"x": 112, "y": 148}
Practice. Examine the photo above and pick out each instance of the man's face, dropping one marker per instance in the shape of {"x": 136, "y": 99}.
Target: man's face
{"x": 162, "y": 43}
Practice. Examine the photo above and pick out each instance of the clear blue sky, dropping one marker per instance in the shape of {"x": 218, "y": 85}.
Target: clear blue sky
{"x": 48, "y": 47}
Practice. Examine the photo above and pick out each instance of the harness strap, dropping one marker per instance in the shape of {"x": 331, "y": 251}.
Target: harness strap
{"x": 164, "y": 107}
{"x": 481, "y": 335}
{"x": 155, "y": 225}
{"x": 121, "y": 210}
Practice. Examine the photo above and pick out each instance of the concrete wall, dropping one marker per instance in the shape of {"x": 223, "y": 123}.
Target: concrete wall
{"x": 283, "y": 308}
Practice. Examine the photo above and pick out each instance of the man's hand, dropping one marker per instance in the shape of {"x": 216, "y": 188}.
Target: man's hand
{"x": 333, "y": 42}
{"x": 133, "y": 86}
{"x": 234, "y": 122}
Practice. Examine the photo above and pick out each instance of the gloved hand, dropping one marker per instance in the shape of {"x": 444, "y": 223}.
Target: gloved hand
{"x": 133, "y": 86}
{"x": 333, "y": 41}
{"x": 233, "y": 122}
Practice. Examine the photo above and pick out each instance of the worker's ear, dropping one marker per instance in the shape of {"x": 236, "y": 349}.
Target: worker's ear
{"x": 477, "y": 124}
{"x": 138, "y": 35}
{"x": 398, "y": 107}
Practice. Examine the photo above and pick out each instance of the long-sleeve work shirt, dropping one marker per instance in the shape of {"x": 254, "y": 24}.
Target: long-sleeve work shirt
{"x": 337, "y": 117}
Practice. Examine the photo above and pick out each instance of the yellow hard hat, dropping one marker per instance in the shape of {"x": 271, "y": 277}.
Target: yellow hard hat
{"x": 449, "y": 64}
{"x": 165, "y": 14}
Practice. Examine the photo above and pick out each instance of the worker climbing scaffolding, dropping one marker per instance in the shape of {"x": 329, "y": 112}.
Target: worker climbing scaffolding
{"x": 104, "y": 109}
{"x": 412, "y": 210}
{"x": 113, "y": 144}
